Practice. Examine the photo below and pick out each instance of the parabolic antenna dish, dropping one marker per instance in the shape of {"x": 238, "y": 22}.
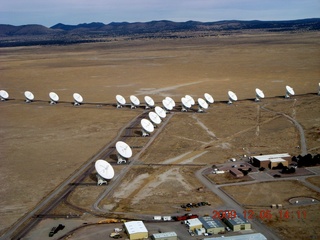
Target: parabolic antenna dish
{"x": 78, "y": 99}
{"x": 167, "y": 105}
{"x": 202, "y": 104}
{"x": 53, "y": 97}
{"x": 289, "y": 91}
{"x": 4, "y": 95}
{"x": 104, "y": 169}
{"x": 171, "y": 101}
{"x": 147, "y": 125}
{"x": 259, "y": 94}
{"x": 160, "y": 112}
{"x": 135, "y": 102}
{"x": 120, "y": 101}
{"x": 186, "y": 104}
{"x": 154, "y": 118}
{"x": 123, "y": 149}
{"x": 191, "y": 100}
{"x": 232, "y": 97}
{"x": 149, "y": 101}
{"x": 29, "y": 96}
{"x": 208, "y": 98}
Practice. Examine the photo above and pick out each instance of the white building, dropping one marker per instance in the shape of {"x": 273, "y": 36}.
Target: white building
{"x": 136, "y": 230}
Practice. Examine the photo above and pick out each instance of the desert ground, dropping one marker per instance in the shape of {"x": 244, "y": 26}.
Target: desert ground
{"x": 42, "y": 144}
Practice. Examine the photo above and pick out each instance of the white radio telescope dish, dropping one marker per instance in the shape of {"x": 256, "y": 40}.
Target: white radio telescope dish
{"x": 202, "y": 104}
{"x": 29, "y": 96}
{"x": 208, "y": 98}
{"x": 78, "y": 99}
{"x": 289, "y": 91}
{"x": 135, "y": 102}
{"x": 171, "y": 101}
{"x": 186, "y": 104}
{"x": 147, "y": 127}
{"x": 4, "y": 95}
{"x": 190, "y": 99}
{"x": 167, "y": 104}
{"x": 154, "y": 118}
{"x": 259, "y": 94}
{"x": 121, "y": 101}
{"x": 160, "y": 112}
{"x": 54, "y": 98}
{"x": 232, "y": 97}
{"x": 149, "y": 102}
{"x": 124, "y": 152}
{"x": 104, "y": 171}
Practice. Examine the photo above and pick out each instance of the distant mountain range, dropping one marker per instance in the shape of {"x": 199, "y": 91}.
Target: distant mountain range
{"x": 87, "y": 32}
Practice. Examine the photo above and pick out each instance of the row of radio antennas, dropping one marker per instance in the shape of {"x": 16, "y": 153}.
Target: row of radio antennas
{"x": 135, "y": 102}
{"x": 168, "y": 103}
{"x": 105, "y": 171}
{"x": 155, "y": 117}
{"x": 54, "y": 97}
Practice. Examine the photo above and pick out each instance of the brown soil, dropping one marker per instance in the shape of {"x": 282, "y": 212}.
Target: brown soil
{"x": 43, "y": 144}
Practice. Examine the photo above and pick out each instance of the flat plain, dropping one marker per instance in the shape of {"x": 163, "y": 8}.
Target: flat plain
{"x": 42, "y": 144}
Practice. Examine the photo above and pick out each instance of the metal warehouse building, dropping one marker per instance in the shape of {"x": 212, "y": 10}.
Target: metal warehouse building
{"x": 237, "y": 223}
{"x": 193, "y": 223}
{"x": 136, "y": 230}
{"x": 165, "y": 236}
{"x": 252, "y": 236}
{"x": 271, "y": 160}
{"x": 211, "y": 225}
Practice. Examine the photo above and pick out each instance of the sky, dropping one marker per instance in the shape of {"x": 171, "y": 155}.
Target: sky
{"x": 51, "y": 12}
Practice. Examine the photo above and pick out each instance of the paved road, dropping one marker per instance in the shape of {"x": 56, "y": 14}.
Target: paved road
{"x": 231, "y": 204}
{"x": 303, "y": 143}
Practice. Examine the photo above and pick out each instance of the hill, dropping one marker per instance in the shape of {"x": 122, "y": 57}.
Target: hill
{"x": 96, "y": 31}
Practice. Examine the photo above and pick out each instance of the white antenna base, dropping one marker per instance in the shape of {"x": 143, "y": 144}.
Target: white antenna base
{"x": 121, "y": 160}
{"x": 28, "y": 101}
{"x": 133, "y": 106}
{"x": 76, "y": 104}
{"x": 287, "y": 95}
{"x": 2, "y": 99}
{"x": 200, "y": 110}
{"x": 229, "y": 102}
{"x": 319, "y": 93}
{"x": 53, "y": 102}
{"x": 257, "y": 99}
{"x": 144, "y": 133}
{"x": 183, "y": 109}
{"x": 147, "y": 107}
{"x": 119, "y": 105}
{"x": 100, "y": 180}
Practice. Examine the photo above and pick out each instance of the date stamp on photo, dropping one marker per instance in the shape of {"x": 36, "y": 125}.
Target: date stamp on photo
{"x": 264, "y": 214}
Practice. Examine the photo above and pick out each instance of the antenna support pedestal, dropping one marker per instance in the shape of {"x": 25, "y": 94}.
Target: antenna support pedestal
{"x": 144, "y": 133}
{"x": 183, "y": 109}
{"x": 121, "y": 160}
{"x": 100, "y": 180}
